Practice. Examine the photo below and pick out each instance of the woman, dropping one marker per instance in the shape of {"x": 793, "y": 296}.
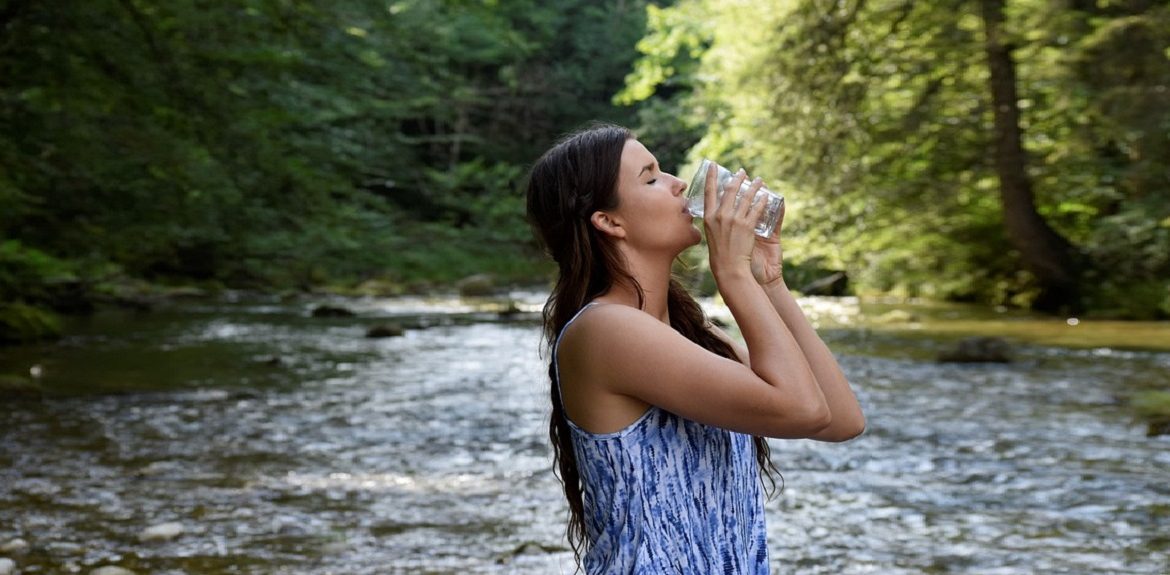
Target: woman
{"x": 655, "y": 408}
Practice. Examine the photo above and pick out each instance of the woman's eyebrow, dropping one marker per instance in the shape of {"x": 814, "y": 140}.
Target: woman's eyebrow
{"x": 644, "y": 168}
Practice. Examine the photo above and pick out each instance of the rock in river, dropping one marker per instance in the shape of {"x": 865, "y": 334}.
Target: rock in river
{"x": 111, "y": 570}
{"x": 385, "y": 330}
{"x": 161, "y": 532}
{"x": 17, "y": 545}
{"x": 978, "y": 350}
{"x": 331, "y": 311}
{"x": 476, "y": 285}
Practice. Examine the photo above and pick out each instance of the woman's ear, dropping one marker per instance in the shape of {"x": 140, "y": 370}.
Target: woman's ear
{"x": 607, "y": 224}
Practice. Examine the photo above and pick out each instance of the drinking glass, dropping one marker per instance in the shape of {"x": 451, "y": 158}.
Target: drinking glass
{"x": 696, "y": 196}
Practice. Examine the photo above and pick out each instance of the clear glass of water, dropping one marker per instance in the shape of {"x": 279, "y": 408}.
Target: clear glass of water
{"x": 696, "y": 196}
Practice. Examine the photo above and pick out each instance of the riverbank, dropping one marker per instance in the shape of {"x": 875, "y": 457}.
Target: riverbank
{"x": 928, "y": 318}
{"x": 946, "y": 322}
{"x": 40, "y": 314}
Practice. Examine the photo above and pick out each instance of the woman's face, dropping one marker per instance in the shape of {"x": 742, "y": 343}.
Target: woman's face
{"x": 651, "y": 206}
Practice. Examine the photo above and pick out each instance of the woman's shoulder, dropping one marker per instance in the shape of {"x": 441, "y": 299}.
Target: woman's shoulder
{"x": 608, "y": 317}
{"x": 600, "y": 326}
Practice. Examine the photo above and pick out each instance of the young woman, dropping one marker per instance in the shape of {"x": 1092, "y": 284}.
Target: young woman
{"x": 658, "y": 415}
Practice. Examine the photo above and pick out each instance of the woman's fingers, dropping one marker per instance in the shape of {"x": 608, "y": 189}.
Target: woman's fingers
{"x": 745, "y": 201}
{"x": 727, "y": 202}
{"x": 736, "y": 212}
{"x": 756, "y": 206}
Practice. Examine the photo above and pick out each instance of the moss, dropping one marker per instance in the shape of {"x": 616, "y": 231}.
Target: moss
{"x": 380, "y": 287}
{"x": 1141, "y": 301}
{"x": 20, "y": 323}
{"x": 377, "y": 287}
{"x": 897, "y": 316}
{"x": 1154, "y": 408}
{"x": 18, "y": 387}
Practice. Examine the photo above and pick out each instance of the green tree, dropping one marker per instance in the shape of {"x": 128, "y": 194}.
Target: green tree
{"x": 882, "y": 117}
{"x": 1044, "y": 252}
{"x": 289, "y": 143}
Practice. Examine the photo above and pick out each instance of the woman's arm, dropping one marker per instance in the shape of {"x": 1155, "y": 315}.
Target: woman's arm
{"x": 848, "y": 421}
{"x": 767, "y": 269}
{"x": 779, "y": 358}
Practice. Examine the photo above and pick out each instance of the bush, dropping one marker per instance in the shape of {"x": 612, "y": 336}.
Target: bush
{"x": 1137, "y": 300}
{"x": 20, "y": 323}
{"x": 28, "y": 274}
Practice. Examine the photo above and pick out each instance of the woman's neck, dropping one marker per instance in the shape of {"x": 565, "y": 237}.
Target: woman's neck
{"x": 653, "y": 277}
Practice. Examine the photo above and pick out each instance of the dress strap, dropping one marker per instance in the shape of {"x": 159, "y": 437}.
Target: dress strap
{"x": 556, "y": 364}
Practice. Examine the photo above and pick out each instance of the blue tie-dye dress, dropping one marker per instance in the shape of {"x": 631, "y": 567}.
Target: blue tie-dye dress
{"x": 667, "y": 495}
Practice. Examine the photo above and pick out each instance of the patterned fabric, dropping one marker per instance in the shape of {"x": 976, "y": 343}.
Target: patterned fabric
{"x": 667, "y": 495}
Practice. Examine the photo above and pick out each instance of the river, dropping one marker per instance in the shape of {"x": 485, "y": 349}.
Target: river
{"x": 282, "y": 444}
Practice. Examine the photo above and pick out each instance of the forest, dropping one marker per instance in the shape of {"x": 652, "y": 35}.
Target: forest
{"x": 1007, "y": 153}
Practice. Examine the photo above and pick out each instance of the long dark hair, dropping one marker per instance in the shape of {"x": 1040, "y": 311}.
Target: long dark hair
{"x": 573, "y": 179}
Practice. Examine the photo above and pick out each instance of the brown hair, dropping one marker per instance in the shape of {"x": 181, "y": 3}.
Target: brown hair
{"x": 573, "y": 179}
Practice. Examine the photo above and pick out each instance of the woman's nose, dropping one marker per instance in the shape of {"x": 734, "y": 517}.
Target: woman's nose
{"x": 679, "y": 185}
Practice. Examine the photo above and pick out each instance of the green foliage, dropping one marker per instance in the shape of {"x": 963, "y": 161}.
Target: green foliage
{"x": 24, "y": 323}
{"x": 290, "y": 143}
{"x": 876, "y": 119}
{"x": 675, "y": 40}
{"x": 1101, "y": 138}
{"x": 295, "y": 143}
{"x": 663, "y": 81}
{"x": 27, "y": 273}
{"x": 1153, "y": 404}
{"x": 1154, "y": 407}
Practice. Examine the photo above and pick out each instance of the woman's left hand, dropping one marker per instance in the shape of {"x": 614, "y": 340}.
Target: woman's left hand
{"x": 768, "y": 255}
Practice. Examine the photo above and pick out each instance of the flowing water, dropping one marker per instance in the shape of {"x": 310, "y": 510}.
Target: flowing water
{"x": 287, "y": 444}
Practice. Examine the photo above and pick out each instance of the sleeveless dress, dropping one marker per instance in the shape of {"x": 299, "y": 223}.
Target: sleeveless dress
{"x": 667, "y": 495}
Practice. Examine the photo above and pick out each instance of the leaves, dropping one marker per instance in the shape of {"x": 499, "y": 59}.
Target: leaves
{"x": 877, "y": 115}
{"x": 268, "y": 141}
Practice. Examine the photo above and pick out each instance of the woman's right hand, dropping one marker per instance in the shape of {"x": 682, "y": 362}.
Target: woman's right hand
{"x": 731, "y": 224}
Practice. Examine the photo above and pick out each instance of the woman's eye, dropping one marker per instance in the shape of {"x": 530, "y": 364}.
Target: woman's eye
{"x": 651, "y": 182}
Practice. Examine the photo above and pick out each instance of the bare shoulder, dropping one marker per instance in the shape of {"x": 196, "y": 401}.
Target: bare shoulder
{"x": 606, "y": 331}
{"x": 607, "y": 327}
{"x": 591, "y": 357}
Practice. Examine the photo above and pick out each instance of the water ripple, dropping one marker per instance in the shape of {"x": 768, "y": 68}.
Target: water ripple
{"x": 427, "y": 453}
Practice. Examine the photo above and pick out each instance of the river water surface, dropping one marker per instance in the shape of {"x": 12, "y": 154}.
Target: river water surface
{"x": 287, "y": 444}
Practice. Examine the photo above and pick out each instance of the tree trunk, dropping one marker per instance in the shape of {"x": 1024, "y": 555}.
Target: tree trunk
{"x": 1045, "y": 253}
